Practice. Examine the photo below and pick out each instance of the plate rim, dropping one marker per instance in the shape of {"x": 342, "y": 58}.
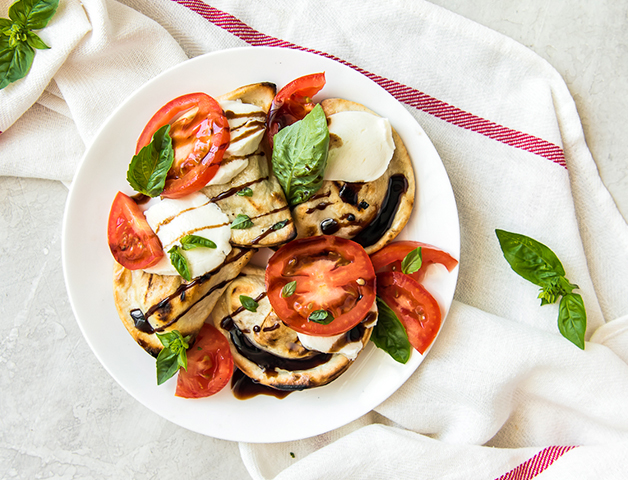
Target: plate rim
{"x": 84, "y": 164}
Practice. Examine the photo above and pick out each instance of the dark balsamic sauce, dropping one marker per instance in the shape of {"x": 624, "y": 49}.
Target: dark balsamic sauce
{"x": 397, "y": 186}
{"x": 141, "y": 319}
{"x": 140, "y": 198}
{"x": 329, "y": 226}
{"x": 244, "y": 388}
{"x": 319, "y": 206}
{"x": 267, "y": 361}
{"x": 234, "y": 190}
{"x": 349, "y": 193}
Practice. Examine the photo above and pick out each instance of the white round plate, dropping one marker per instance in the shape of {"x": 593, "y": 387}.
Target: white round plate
{"x": 88, "y": 263}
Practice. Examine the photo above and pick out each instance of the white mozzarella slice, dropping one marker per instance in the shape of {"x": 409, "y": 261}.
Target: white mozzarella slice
{"x": 247, "y": 125}
{"x": 339, "y": 343}
{"x": 172, "y": 219}
{"x": 327, "y": 344}
{"x": 228, "y": 171}
{"x": 364, "y": 148}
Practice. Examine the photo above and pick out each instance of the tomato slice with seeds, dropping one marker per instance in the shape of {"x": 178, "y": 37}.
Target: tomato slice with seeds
{"x": 200, "y": 135}
{"x": 390, "y": 257}
{"x": 415, "y": 307}
{"x": 210, "y": 365}
{"x": 332, "y": 274}
{"x": 293, "y": 102}
{"x": 132, "y": 242}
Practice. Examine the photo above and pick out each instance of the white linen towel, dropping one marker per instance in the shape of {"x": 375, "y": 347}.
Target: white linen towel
{"x": 502, "y": 394}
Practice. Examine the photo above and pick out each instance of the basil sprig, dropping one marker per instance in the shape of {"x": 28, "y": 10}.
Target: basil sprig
{"x": 390, "y": 335}
{"x": 300, "y": 156}
{"x": 412, "y": 261}
{"x": 17, "y": 39}
{"x": 539, "y": 264}
{"x": 173, "y": 356}
{"x": 148, "y": 169}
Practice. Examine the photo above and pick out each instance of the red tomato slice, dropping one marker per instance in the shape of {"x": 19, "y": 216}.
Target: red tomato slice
{"x": 331, "y": 273}
{"x": 133, "y": 243}
{"x": 293, "y": 102}
{"x": 390, "y": 257}
{"x": 414, "y": 306}
{"x": 200, "y": 135}
{"x": 210, "y": 365}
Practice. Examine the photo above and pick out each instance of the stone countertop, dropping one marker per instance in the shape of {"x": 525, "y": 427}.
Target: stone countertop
{"x": 63, "y": 416}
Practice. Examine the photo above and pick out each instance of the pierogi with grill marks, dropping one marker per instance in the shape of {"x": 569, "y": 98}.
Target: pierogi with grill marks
{"x": 148, "y": 303}
{"x": 371, "y": 213}
{"x": 268, "y": 351}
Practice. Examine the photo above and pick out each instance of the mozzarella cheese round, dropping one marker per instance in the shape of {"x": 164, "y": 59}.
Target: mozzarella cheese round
{"x": 228, "y": 171}
{"x": 327, "y": 344}
{"x": 172, "y": 219}
{"x": 360, "y": 148}
{"x": 247, "y": 125}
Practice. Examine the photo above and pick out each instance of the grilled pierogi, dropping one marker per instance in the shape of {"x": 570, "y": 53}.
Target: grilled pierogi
{"x": 373, "y": 212}
{"x": 272, "y": 354}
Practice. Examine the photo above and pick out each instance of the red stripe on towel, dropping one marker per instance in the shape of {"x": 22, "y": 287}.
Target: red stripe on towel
{"x": 535, "y": 465}
{"x": 403, "y": 93}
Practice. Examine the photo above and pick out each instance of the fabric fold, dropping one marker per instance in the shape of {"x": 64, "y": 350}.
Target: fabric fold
{"x": 501, "y": 394}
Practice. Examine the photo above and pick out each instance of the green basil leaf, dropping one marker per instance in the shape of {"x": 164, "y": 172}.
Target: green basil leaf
{"x": 412, "y": 261}
{"x": 390, "y": 335}
{"x": 572, "y": 319}
{"x": 34, "y": 41}
{"x": 289, "y": 289}
{"x": 194, "y": 241}
{"x": 15, "y": 62}
{"x": 241, "y": 222}
{"x": 248, "y": 303}
{"x": 167, "y": 365}
{"x": 172, "y": 356}
{"x": 300, "y": 156}
{"x": 33, "y": 14}
{"x": 5, "y": 26}
{"x": 245, "y": 192}
{"x": 174, "y": 340}
{"x": 321, "y": 316}
{"x": 178, "y": 261}
{"x": 529, "y": 258}
{"x": 148, "y": 169}
{"x": 279, "y": 225}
